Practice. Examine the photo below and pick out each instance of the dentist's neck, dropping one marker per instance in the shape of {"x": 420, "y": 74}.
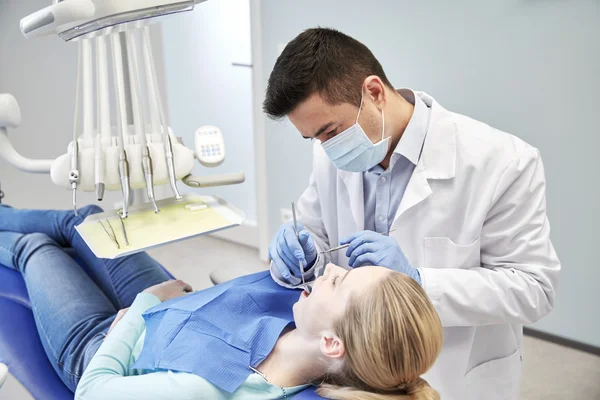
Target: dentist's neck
{"x": 294, "y": 361}
{"x": 398, "y": 113}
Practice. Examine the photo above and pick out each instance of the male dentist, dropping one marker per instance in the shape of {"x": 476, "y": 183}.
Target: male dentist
{"x": 466, "y": 202}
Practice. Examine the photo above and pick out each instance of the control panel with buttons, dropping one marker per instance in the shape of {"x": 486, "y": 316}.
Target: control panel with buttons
{"x": 210, "y": 146}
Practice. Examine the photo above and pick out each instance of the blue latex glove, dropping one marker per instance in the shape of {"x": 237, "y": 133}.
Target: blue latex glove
{"x": 286, "y": 251}
{"x": 371, "y": 248}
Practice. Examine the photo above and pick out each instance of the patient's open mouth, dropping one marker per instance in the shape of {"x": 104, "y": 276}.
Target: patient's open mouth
{"x": 305, "y": 293}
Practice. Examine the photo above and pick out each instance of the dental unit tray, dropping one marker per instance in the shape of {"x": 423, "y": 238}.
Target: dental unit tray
{"x": 177, "y": 220}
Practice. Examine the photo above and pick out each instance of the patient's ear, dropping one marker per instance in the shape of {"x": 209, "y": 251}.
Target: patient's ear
{"x": 332, "y": 346}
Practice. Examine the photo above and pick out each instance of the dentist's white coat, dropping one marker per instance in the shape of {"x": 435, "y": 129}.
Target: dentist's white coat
{"x": 473, "y": 220}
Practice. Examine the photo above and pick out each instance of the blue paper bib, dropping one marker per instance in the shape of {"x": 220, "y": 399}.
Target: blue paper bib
{"x": 218, "y": 333}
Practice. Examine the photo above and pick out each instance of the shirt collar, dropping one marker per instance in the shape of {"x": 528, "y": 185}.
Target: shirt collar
{"x": 411, "y": 142}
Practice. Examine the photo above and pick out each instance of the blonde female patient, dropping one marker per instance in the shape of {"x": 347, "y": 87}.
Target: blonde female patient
{"x": 364, "y": 334}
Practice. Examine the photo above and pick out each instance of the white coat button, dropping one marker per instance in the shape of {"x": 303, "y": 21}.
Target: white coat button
{"x": 383, "y": 179}
{"x": 381, "y": 218}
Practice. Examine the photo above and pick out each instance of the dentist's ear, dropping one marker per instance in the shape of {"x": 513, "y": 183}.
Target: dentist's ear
{"x": 332, "y": 346}
{"x": 375, "y": 89}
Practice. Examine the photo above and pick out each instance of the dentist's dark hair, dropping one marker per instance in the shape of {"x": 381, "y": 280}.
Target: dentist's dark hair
{"x": 324, "y": 61}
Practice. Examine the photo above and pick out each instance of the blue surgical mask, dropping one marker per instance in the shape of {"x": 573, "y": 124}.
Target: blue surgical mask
{"x": 353, "y": 151}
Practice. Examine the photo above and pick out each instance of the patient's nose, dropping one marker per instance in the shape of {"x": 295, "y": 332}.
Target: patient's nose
{"x": 331, "y": 268}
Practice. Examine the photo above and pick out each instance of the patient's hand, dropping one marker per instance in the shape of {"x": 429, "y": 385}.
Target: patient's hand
{"x": 169, "y": 290}
{"x": 120, "y": 315}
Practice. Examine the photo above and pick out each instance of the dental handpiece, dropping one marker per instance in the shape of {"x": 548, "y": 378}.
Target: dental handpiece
{"x": 139, "y": 120}
{"x": 98, "y": 167}
{"x": 74, "y": 173}
{"x": 125, "y": 188}
{"x": 148, "y": 175}
{"x": 171, "y": 167}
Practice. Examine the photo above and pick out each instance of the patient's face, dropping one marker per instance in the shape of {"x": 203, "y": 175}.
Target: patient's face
{"x": 330, "y": 295}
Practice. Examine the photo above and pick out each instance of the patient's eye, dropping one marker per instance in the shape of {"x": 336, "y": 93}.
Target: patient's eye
{"x": 334, "y": 280}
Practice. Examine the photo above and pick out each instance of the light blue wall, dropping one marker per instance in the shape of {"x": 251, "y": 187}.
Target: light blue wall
{"x": 524, "y": 66}
{"x": 204, "y": 88}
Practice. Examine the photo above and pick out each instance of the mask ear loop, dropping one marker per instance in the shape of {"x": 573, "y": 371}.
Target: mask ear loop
{"x": 382, "y": 125}
{"x": 362, "y": 94}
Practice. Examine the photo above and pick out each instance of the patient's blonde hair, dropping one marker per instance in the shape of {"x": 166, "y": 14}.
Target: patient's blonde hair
{"x": 392, "y": 336}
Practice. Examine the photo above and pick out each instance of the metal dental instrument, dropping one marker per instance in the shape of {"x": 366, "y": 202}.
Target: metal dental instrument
{"x": 110, "y": 234}
{"x": 124, "y": 175}
{"x": 98, "y": 167}
{"x": 124, "y": 231}
{"x": 139, "y": 120}
{"x": 171, "y": 167}
{"x": 121, "y": 120}
{"x": 149, "y": 58}
{"x": 74, "y": 172}
{"x": 347, "y": 245}
{"x": 320, "y": 268}
{"x": 149, "y": 177}
{"x": 306, "y": 287}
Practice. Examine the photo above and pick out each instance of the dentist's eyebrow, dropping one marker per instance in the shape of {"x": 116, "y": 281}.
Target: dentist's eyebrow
{"x": 320, "y": 131}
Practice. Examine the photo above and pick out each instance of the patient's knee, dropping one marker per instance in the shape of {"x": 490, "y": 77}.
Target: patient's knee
{"x": 89, "y": 210}
{"x": 30, "y": 245}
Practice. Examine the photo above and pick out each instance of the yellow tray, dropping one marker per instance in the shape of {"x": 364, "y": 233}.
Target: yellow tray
{"x": 146, "y": 230}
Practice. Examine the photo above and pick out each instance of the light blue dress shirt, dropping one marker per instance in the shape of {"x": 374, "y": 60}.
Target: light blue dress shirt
{"x": 383, "y": 190}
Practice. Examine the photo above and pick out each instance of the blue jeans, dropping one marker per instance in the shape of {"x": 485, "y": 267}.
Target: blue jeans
{"x": 73, "y": 305}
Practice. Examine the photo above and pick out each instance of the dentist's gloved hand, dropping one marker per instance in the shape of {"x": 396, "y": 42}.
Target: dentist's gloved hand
{"x": 371, "y": 248}
{"x": 285, "y": 250}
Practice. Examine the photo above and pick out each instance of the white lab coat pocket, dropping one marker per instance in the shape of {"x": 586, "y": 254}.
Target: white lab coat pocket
{"x": 495, "y": 380}
{"x": 441, "y": 252}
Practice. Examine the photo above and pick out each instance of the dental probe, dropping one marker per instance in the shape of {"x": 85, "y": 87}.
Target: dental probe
{"x": 347, "y": 245}
{"x": 306, "y": 287}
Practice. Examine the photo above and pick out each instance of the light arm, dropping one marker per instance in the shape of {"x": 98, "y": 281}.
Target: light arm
{"x": 10, "y": 117}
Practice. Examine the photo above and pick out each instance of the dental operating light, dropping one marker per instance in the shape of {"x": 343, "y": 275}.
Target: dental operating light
{"x": 71, "y": 19}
